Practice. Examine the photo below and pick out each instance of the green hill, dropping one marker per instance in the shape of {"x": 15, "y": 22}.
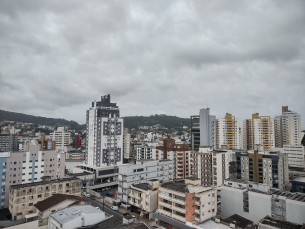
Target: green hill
{"x": 129, "y": 122}
{"x": 18, "y": 117}
{"x": 166, "y": 121}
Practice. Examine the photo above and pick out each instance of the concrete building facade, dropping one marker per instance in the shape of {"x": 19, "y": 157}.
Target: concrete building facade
{"x": 23, "y": 197}
{"x": 28, "y": 167}
{"x": 186, "y": 201}
{"x": 227, "y": 132}
{"x": 255, "y": 201}
{"x": 126, "y": 143}
{"x": 8, "y": 142}
{"x": 270, "y": 168}
{"x": 210, "y": 166}
{"x": 142, "y": 172}
{"x": 144, "y": 198}
{"x": 296, "y": 155}
{"x": 62, "y": 138}
{"x": 179, "y": 153}
{"x": 104, "y": 141}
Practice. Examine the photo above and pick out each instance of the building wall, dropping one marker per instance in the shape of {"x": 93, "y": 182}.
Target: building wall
{"x": 104, "y": 135}
{"x": 295, "y": 211}
{"x": 142, "y": 173}
{"x": 22, "y": 198}
{"x": 62, "y": 138}
{"x": 207, "y": 128}
{"x": 291, "y": 127}
{"x": 227, "y": 132}
{"x": 232, "y": 202}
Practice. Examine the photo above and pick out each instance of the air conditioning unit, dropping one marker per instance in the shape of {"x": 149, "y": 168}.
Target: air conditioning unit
{"x": 217, "y": 220}
{"x": 232, "y": 225}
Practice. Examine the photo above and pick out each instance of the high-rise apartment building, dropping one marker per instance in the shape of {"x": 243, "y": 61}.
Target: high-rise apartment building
{"x": 27, "y": 167}
{"x": 270, "y": 168}
{"x": 287, "y": 128}
{"x": 262, "y": 131}
{"x": 296, "y": 155}
{"x": 104, "y": 143}
{"x": 203, "y": 129}
{"x": 62, "y": 138}
{"x": 227, "y": 132}
{"x": 210, "y": 166}
{"x": 177, "y": 152}
{"x": 291, "y": 127}
{"x": 77, "y": 141}
{"x": 8, "y": 141}
{"x": 126, "y": 143}
{"x": 145, "y": 151}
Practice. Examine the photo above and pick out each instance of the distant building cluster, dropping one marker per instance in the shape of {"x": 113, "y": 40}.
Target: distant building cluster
{"x": 220, "y": 173}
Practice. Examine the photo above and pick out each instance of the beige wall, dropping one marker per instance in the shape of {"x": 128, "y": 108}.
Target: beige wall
{"x": 20, "y": 203}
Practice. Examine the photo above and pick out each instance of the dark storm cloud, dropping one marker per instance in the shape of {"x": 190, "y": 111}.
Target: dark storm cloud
{"x": 171, "y": 57}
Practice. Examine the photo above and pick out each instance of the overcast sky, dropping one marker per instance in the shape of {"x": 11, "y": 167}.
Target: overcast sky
{"x": 153, "y": 57}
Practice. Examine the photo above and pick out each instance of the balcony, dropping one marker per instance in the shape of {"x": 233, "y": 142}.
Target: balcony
{"x": 165, "y": 204}
{"x": 180, "y": 218}
{"x": 178, "y": 201}
{"x": 198, "y": 203}
{"x": 198, "y": 211}
{"x": 163, "y": 212}
{"x": 165, "y": 197}
{"x": 135, "y": 196}
{"x": 134, "y": 203}
{"x": 122, "y": 179}
{"x": 182, "y": 210}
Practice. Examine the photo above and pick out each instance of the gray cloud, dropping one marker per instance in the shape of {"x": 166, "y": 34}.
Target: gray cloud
{"x": 171, "y": 57}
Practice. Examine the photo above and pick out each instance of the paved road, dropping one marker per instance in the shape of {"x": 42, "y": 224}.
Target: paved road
{"x": 108, "y": 210}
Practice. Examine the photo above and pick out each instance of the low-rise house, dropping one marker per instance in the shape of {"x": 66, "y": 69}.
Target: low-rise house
{"x": 54, "y": 204}
{"x": 144, "y": 198}
{"x": 23, "y": 197}
{"x": 75, "y": 216}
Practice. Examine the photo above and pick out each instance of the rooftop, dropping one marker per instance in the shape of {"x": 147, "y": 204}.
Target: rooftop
{"x": 143, "y": 186}
{"x": 300, "y": 179}
{"x": 54, "y": 200}
{"x": 67, "y": 214}
{"x": 43, "y": 182}
{"x": 180, "y": 186}
{"x": 239, "y": 221}
{"x": 276, "y": 223}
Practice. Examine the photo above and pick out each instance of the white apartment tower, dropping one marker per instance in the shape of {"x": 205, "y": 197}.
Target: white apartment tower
{"x": 62, "y": 138}
{"x": 287, "y": 128}
{"x": 291, "y": 127}
{"x": 262, "y": 131}
{"x": 227, "y": 132}
{"x": 104, "y": 143}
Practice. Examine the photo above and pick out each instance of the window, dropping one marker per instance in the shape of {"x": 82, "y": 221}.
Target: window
{"x": 39, "y": 189}
{"x": 30, "y": 212}
{"x": 67, "y": 191}
{"x": 30, "y": 204}
{"x": 67, "y": 184}
{"x": 39, "y": 196}
{"x": 53, "y": 186}
{"x": 46, "y": 195}
{"x": 47, "y": 187}
{"x": 30, "y": 197}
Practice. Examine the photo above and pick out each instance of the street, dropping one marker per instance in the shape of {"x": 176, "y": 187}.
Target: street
{"x": 107, "y": 209}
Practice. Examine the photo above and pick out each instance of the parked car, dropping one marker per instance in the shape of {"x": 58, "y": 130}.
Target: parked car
{"x": 87, "y": 194}
{"x": 114, "y": 208}
{"x": 98, "y": 208}
{"x": 109, "y": 194}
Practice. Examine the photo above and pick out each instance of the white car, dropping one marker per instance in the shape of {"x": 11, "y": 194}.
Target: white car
{"x": 98, "y": 208}
{"x": 114, "y": 208}
{"x": 87, "y": 194}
